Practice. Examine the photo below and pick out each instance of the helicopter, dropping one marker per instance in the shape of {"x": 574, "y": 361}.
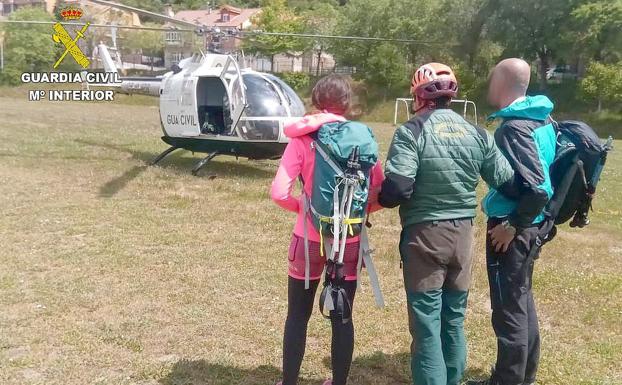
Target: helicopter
{"x": 208, "y": 104}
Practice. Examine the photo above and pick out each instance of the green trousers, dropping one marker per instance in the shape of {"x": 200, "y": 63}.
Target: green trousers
{"x": 437, "y": 274}
{"x": 438, "y": 350}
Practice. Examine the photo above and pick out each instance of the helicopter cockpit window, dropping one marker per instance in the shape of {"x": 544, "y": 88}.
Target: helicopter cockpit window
{"x": 262, "y": 97}
{"x": 267, "y": 97}
{"x": 262, "y": 102}
{"x": 296, "y": 106}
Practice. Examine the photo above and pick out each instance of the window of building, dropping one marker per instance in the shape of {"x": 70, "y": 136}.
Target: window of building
{"x": 173, "y": 36}
{"x": 225, "y": 17}
{"x": 176, "y": 57}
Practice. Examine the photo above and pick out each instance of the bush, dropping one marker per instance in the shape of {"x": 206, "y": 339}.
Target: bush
{"x": 27, "y": 48}
{"x": 471, "y": 86}
{"x": 603, "y": 84}
{"x": 299, "y": 81}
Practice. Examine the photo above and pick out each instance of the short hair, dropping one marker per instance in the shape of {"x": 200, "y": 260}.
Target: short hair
{"x": 332, "y": 93}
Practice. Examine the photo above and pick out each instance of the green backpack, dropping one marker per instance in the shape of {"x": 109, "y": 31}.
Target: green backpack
{"x": 345, "y": 153}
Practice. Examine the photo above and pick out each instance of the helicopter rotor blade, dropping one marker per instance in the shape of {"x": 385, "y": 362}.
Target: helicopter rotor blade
{"x": 341, "y": 37}
{"x": 79, "y": 24}
{"x": 146, "y": 13}
{"x": 239, "y": 34}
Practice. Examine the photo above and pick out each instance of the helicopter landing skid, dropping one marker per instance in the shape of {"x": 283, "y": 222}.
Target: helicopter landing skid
{"x": 163, "y": 155}
{"x": 200, "y": 164}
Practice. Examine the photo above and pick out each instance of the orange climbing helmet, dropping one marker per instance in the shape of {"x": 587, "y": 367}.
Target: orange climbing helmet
{"x": 434, "y": 80}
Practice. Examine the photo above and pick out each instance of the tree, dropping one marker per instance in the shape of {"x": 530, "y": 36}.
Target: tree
{"x": 277, "y": 17}
{"x": 28, "y": 48}
{"x": 532, "y": 29}
{"x": 150, "y": 43}
{"x": 305, "y": 5}
{"x": 390, "y": 69}
{"x": 600, "y": 32}
{"x": 466, "y": 21}
{"x": 322, "y": 20}
{"x": 603, "y": 83}
{"x": 388, "y": 65}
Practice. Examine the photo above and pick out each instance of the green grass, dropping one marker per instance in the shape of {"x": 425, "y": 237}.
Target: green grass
{"x": 118, "y": 273}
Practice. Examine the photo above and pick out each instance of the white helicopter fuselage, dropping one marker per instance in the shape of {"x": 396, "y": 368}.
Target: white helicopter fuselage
{"x": 209, "y": 97}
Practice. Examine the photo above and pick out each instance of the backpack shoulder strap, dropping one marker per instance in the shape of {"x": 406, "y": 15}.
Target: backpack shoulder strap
{"x": 319, "y": 149}
{"x": 305, "y": 205}
{"x": 483, "y": 134}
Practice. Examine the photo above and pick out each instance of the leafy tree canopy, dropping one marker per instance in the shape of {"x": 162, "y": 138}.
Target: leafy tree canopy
{"x": 277, "y": 17}
{"x": 600, "y": 32}
{"x": 28, "y": 49}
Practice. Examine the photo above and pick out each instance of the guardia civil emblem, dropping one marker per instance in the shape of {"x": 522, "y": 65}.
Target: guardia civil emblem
{"x": 62, "y": 36}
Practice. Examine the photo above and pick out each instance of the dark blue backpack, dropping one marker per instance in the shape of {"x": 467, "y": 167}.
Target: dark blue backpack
{"x": 575, "y": 172}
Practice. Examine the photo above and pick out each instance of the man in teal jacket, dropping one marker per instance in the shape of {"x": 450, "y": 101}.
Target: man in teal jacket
{"x": 432, "y": 170}
{"x": 527, "y": 138}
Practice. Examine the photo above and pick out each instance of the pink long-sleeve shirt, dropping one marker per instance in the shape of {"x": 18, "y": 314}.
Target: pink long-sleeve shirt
{"x": 299, "y": 159}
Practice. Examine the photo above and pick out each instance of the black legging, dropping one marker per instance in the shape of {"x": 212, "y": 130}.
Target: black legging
{"x": 300, "y": 306}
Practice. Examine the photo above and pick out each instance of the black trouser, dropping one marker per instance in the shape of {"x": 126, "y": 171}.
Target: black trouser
{"x": 514, "y": 317}
{"x": 300, "y": 307}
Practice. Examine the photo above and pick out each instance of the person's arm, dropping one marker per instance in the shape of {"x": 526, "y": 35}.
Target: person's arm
{"x": 519, "y": 147}
{"x": 376, "y": 177}
{"x": 496, "y": 171}
{"x": 401, "y": 167}
{"x": 285, "y": 179}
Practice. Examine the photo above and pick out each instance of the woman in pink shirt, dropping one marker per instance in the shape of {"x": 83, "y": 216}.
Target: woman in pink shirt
{"x": 332, "y": 96}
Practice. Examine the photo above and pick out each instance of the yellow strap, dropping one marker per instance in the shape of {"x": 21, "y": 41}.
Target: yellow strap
{"x": 349, "y": 222}
{"x": 353, "y": 221}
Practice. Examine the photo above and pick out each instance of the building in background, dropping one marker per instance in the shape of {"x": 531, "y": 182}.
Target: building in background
{"x": 9, "y": 6}
{"x": 180, "y": 45}
{"x": 113, "y": 37}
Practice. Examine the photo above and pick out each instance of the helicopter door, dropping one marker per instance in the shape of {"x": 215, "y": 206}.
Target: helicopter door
{"x": 232, "y": 78}
{"x": 178, "y": 110}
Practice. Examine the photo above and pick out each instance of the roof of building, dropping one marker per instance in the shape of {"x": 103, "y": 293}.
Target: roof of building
{"x": 238, "y": 16}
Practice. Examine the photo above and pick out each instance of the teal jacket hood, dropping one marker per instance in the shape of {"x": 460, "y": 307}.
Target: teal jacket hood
{"x": 537, "y": 107}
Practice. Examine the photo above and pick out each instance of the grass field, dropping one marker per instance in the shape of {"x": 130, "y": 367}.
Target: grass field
{"x": 112, "y": 272}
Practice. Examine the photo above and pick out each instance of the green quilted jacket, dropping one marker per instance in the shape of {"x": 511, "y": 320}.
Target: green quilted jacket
{"x": 434, "y": 165}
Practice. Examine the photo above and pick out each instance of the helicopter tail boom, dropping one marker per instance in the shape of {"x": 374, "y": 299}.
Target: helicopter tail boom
{"x": 129, "y": 85}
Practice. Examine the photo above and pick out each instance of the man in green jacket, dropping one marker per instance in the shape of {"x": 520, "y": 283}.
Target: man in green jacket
{"x": 432, "y": 171}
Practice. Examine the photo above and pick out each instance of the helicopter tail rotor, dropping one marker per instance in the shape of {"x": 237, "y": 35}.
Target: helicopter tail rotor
{"x": 106, "y": 59}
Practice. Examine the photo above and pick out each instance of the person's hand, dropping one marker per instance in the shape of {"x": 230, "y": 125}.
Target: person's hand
{"x": 501, "y": 237}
